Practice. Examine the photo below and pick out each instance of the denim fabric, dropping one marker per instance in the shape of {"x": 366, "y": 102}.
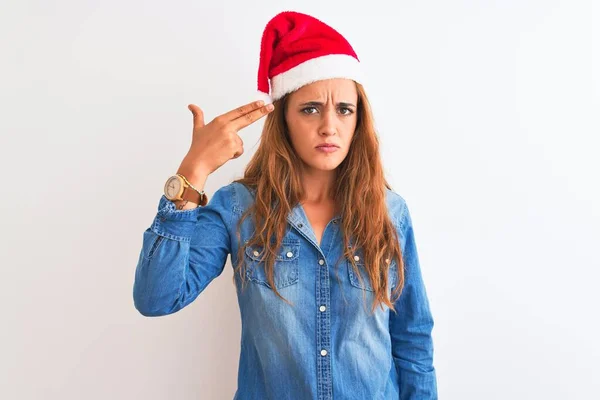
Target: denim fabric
{"x": 327, "y": 345}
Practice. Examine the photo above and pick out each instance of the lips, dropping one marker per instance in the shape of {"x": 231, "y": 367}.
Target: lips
{"x": 327, "y": 148}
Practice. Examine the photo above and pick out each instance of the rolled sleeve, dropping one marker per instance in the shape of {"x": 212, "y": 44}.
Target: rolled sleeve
{"x": 182, "y": 252}
{"x": 175, "y": 224}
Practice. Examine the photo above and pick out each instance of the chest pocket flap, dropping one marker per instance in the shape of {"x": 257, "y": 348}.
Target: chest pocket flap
{"x": 285, "y": 267}
{"x": 366, "y": 282}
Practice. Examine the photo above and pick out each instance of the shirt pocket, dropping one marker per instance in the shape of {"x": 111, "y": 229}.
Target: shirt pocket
{"x": 285, "y": 267}
{"x": 366, "y": 283}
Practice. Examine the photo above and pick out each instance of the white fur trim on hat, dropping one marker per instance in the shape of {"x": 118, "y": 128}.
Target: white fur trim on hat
{"x": 316, "y": 69}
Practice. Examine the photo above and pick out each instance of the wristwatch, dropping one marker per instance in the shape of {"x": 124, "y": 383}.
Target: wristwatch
{"x": 178, "y": 187}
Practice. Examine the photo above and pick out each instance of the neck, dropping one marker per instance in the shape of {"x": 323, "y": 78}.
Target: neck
{"x": 318, "y": 186}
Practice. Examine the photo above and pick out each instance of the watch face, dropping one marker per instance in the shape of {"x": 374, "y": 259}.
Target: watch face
{"x": 173, "y": 188}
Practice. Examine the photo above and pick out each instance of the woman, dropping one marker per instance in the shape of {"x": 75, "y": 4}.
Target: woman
{"x": 325, "y": 263}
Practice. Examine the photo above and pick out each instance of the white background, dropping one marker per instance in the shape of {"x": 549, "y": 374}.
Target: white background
{"x": 487, "y": 113}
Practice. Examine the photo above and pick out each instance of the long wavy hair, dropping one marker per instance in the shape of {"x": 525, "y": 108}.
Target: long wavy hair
{"x": 274, "y": 175}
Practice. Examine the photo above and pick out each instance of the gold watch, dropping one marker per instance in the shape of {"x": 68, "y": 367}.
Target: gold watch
{"x": 178, "y": 187}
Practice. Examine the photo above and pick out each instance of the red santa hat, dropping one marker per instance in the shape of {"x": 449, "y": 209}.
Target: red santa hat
{"x": 298, "y": 49}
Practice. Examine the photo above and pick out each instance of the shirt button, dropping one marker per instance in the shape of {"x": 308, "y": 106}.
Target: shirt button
{"x": 300, "y": 225}
{"x": 322, "y": 308}
{"x": 323, "y": 352}
{"x": 356, "y": 258}
{"x": 256, "y": 253}
{"x": 321, "y": 262}
{"x": 290, "y": 254}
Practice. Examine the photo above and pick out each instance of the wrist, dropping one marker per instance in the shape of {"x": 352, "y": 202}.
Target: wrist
{"x": 184, "y": 205}
{"x": 196, "y": 177}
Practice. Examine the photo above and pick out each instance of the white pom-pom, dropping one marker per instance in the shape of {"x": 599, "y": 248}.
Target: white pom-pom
{"x": 264, "y": 97}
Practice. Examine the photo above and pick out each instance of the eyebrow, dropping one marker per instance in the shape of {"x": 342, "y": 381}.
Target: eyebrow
{"x": 318, "y": 103}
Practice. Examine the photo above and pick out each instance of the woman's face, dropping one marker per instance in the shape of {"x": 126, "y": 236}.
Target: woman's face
{"x": 322, "y": 112}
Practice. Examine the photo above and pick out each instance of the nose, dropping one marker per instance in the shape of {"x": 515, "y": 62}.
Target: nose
{"x": 328, "y": 122}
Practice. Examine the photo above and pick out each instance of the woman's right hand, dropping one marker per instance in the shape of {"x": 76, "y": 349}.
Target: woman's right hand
{"x": 217, "y": 142}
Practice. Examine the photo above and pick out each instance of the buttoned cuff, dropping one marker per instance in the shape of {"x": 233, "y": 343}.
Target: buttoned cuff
{"x": 173, "y": 223}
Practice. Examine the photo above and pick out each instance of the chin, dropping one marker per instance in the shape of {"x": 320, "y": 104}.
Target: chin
{"x": 330, "y": 165}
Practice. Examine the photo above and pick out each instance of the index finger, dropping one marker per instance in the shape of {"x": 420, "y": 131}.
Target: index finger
{"x": 241, "y": 111}
{"x": 251, "y": 117}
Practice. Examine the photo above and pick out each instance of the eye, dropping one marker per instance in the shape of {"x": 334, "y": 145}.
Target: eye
{"x": 343, "y": 110}
{"x": 308, "y": 108}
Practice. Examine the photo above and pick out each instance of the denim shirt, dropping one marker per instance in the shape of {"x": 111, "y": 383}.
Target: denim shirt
{"x": 327, "y": 345}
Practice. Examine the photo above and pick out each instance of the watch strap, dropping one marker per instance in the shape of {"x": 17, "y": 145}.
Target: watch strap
{"x": 194, "y": 196}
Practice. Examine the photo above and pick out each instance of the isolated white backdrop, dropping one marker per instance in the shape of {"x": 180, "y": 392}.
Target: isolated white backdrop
{"x": 488, "y": 118}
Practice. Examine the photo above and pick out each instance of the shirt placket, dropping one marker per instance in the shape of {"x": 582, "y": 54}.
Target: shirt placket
{"x": 323, "y": 292}
{"x": 323, "y": 301}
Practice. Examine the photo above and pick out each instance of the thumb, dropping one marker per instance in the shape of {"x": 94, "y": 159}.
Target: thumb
{"x": 198, "y": 115}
